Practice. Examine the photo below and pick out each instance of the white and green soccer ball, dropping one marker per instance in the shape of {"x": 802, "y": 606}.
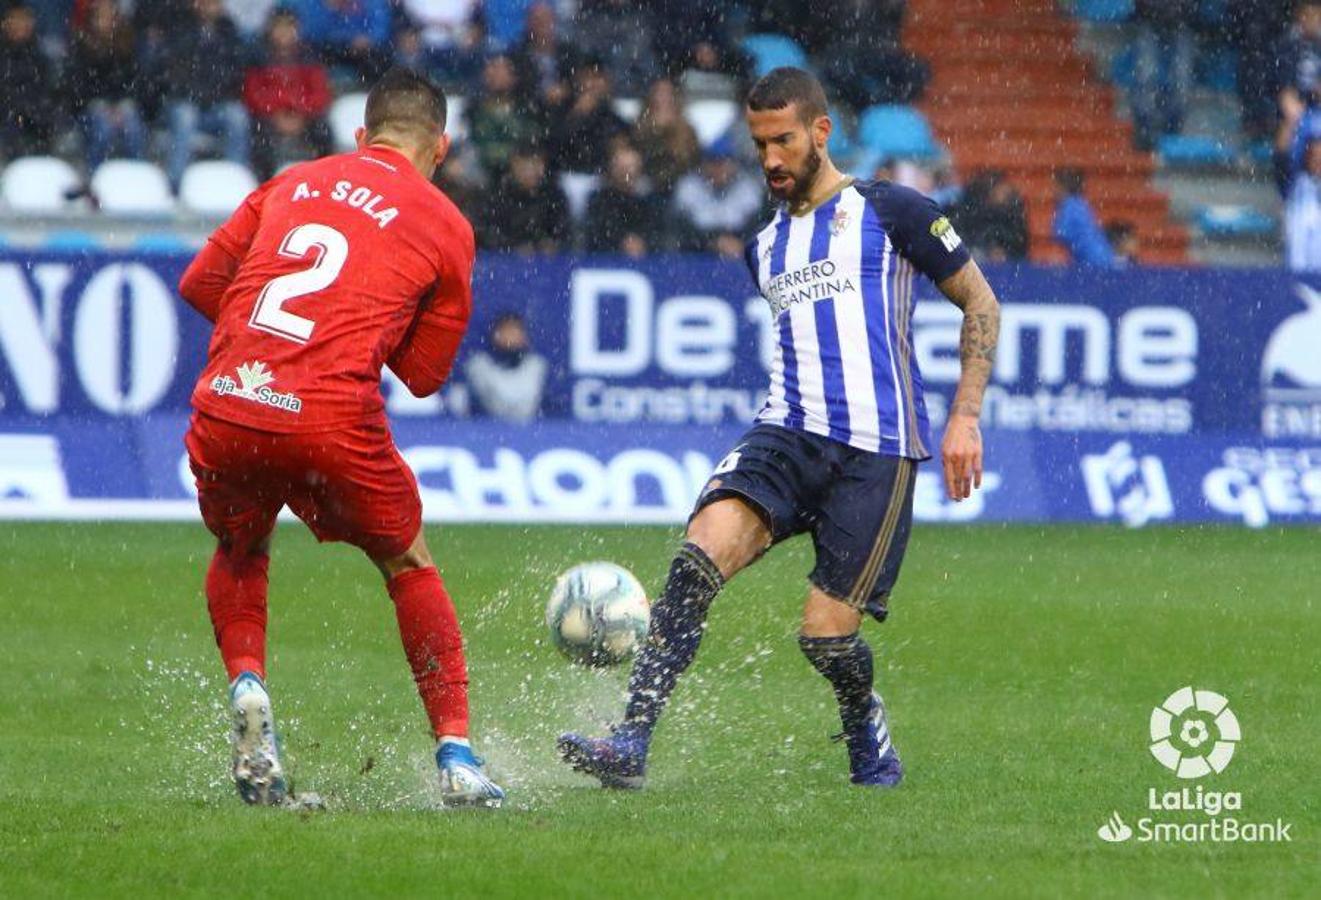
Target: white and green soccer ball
{"x": 598, "y": 614}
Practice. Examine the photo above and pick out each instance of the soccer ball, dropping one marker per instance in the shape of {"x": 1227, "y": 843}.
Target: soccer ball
{"x": 598, "y": 614}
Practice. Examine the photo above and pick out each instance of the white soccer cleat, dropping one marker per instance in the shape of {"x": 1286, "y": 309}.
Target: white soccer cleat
{"x": 462, "y": 781}
{"x": 258, "y": 774}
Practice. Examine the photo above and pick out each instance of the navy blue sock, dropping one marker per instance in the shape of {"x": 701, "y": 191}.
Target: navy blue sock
{"x": 847, "y": 664}
{"x": 678, "y": 619}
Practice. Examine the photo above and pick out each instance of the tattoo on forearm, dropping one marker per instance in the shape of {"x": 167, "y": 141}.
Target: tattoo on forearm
{"x": 977, "y": 340}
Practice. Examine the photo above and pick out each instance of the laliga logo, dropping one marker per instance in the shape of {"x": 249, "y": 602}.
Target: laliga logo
{"x": 1193, "y": 733}
{"x": 1291, "y": 351}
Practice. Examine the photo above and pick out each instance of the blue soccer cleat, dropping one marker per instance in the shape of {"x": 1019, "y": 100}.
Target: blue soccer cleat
{"x": 462, "y": 781}
{"x": 873, "y": 759}
{"x": 618, "y": 761}
{"x": 258, "y": 774}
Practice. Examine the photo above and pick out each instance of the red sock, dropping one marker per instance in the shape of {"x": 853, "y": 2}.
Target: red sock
{"x": 236, "y": 599}
{"x": 429, "y": 627}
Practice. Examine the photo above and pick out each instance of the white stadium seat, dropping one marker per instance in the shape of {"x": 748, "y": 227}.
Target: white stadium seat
{"x": 456, "y": 126}
{"x": 39, "y": 184}
{"x": 345, "y": 117}
{"x": 578, "y": 188}
{"x": 627, "y": 108}
{"x": 215, "y": 187}
{"x": 710, "y": 118}
{"x": 132, "y": 187}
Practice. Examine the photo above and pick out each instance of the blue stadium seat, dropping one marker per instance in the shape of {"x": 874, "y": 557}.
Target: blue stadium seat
{"x": 896, "y": 131}
{"x": 161, "y": 242}
{"x": 504, "y": 21}
{"x": 71, "y": 241}
{"x": 1103, "y": 11}
{"x": 1217, "y": 69}
{"x": 1234, "y": 221}
{"x": 770, "y": 51}
{"x": 1194, "y": 151}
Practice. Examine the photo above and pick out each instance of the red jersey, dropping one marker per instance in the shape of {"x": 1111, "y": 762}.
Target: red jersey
{"x": 324, "y": 274}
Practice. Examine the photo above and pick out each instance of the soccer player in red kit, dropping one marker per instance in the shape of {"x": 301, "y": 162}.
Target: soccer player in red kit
{"x": 325, "y": 273}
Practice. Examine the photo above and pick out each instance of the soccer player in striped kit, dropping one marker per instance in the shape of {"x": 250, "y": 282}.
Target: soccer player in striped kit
{"x": 835, "y": 450}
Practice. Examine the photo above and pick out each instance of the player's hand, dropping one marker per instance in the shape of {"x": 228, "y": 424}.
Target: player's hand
{"x": 961, "y": 455}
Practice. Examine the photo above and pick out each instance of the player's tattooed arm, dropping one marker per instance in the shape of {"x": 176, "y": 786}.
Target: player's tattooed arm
{"x": 969, "y": 290}
{"x": 961, "y": 450}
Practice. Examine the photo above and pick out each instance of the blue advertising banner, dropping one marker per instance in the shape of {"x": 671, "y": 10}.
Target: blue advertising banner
{"x": 1138, "y": 395}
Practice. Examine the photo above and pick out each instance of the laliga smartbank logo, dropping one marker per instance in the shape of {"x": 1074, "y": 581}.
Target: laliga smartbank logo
{"x": 1193, "y": 734}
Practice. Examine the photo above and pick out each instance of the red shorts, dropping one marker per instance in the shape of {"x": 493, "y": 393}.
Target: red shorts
{"x": 348, "y": 485}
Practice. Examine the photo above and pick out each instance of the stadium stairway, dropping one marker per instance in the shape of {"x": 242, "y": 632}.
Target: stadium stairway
{"x": 1010, "y": 91}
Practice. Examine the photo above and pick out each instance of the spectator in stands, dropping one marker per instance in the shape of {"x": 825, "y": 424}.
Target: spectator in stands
{"x": 205, "y": 70}
{"x": 668, "y": 142}
{"x": 717, "y": 206}
{"x": 527, "y": 212}
{"x": 100, "y": 80}
{"x": 507, "y": 377}
{"x": 863, "y": 60}
{"x": 1123, "y": 238}
{"x": 451, "y": 33}
{"x": 250, "y": 17}
{"x": 408, "y": 49}
{"x": 1302, "y": 213}
{"x": 456, "y": 178}
{"x": 1076, "y": 227}
{"x": 992, "y": 218}
{"x": 287, "y": 95}
{"x": 545, "y": 63}
{"x": 584, "y": 128}
{"x": 1163, "y": 74}
{"x": 497, "y": 120}
{"x": 623, "y": 216}
{"x": 1256, "y": 28}
{"x": 619, "y": 33}
{"x": 1300, "y": 58}
{"x": 353, "y": 34}
{"x": 27, "y": 114}
{"x": 695, "y": 48}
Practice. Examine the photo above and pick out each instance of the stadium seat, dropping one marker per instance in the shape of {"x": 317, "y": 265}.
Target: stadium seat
{"x": 1194, "y": 151}
{"x": 578, "y": 188}
{"x": 1234, "y": 221}
{"x": 770, "y": 51}
{"x": 215, "y": 187}
{"x": 161, "y": 242}
{"x": 132, "y": 187}
{"x": 70, "y": 241}
{"x": 896, "y": 131}
{"x": 456, "y": 123}
{"x": 505, "y": 21}
{"x": 627, "y": 108}
{"x": 39, "y": 184}
{"x": 711, "y": 119}
{"x": 344, "y": 118}
{"x": 1103, "y": 11}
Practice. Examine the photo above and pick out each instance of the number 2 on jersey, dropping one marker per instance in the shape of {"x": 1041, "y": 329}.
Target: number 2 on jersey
{"x": 269, "y": 314}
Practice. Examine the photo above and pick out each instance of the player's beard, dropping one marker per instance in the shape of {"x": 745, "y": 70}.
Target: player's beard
{"x": 800, "y": 184}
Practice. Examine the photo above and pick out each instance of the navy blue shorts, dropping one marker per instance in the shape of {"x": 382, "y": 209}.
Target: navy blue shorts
{"x": 857, "y": 505}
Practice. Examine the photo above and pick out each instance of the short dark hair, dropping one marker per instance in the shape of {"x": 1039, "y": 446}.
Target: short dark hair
{"x": 787, "y": 85}
{"x": 405, "y": 100}
{"x": 1070, "y": 180}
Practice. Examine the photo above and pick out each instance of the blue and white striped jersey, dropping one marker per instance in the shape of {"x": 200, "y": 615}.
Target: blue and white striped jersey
{"x": 839, "y": 280}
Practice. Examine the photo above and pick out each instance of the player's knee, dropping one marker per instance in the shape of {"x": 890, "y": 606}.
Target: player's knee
{"x": 730, "y": 534}
{"x": 825, "y": 615}
{"x": 417, "y": 556}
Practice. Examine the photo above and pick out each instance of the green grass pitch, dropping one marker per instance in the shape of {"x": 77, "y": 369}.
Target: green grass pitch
{"x": 1019, "y": 664}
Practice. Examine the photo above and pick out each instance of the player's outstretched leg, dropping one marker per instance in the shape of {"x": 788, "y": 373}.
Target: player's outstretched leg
{"x": 833, "y": 645}
{"x": 236, "y": 585}
{"x": 722, "y": 538}
{"x": 433, "y": 643}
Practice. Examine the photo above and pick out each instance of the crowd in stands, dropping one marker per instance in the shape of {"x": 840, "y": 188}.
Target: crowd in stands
{"x": 252, "y": 81}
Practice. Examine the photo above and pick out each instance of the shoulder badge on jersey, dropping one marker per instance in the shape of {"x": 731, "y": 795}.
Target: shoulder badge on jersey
{"x": 945, "y": 233}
